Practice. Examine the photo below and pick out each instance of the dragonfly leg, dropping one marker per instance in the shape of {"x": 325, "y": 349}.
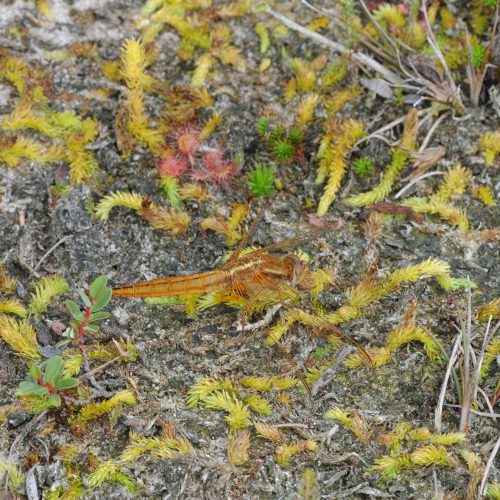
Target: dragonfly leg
{"x": 241, "y": 323}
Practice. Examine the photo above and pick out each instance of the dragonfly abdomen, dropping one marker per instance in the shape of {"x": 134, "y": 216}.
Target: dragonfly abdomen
{"x": 176, "y": 285}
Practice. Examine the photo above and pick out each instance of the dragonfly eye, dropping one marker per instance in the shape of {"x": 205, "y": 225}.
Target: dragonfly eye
{"x": 300, "y": 272}
{"x": 297, "y": 268}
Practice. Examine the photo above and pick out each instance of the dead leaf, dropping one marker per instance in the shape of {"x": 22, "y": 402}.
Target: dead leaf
{"x": 424, "y": 160}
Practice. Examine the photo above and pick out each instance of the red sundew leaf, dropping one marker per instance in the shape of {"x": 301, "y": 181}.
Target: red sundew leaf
{"x": 188, "y": 142}
{"x": 224, "y": 172}
{"x": 172, "y": 165}
{"x": 213, "y": 159}
{"x": 200, "y": 175}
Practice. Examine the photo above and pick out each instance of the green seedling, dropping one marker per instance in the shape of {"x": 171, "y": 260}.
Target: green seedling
{"x": 283, "y": 144}
{"x": 46, "y": 385}
{"x": 283, "y": 151}
{"x": 97, "y": 298}
{"x": 477, "y": 55}
{"x": 261, "y": 180}
{"x": 263, "y": 126}
{"x": 295, "y": 135}
{"x": 363, "y": 166}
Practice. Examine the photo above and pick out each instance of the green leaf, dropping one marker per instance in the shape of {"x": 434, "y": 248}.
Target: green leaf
{"x": 67, "y": 383}
{"x": 98, "y": 316}
{"x": 97, "y": 285}
{"x": 35, "y": 372}
{"x": 27, "y": 387}
{"x": 54, "y": 400}
{"x": 85, "y": 298}
{"x": 53, "y": 370}
{"x": 98, "y": 295}
{"x": 75, "y": 310}
{"x": 91, "y": 328}
{"x": 103, "y": 300}
{"x": 103, "y": 291}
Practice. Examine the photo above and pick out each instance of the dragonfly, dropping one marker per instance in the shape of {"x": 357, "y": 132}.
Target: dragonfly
{"x": 248, "y": 274}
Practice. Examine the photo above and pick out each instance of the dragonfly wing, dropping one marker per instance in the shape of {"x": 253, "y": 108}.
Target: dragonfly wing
{"x": 262, "y": 288}
{"x": 244, "y": 241}
{"x": 295, "y": 241}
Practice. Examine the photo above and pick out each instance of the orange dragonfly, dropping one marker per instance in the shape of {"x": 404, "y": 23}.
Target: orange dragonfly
{"x": 246, "y": 275}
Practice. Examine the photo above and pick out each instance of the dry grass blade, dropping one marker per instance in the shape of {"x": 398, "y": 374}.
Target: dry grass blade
{"x": 439, "y": 409}
{"x": 385, "y": 128}
{"x": 477, "y": 372}
{"x": 482, "y": 488}
{"x": 466, "y": 342}
{"x": 492, "y": 413}
{"x": 432, "y": 42}
{"x": 468, "y": 388}
{"x": 431, "y": 131}
{"x": 49, "y": 251}
{"x": 414, "y": 181}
